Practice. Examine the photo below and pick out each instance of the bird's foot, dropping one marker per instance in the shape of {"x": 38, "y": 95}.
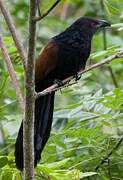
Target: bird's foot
{"x": 77, "y": 77}
{"x": 58, "y": 82}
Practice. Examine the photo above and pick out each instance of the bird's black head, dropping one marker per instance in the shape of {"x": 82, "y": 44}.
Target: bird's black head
{"x": 80, "y": 32}
{"x": 88, "y": 25}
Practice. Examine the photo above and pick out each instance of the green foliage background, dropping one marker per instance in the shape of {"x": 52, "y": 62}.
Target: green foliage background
{"x": 88, "y": 115}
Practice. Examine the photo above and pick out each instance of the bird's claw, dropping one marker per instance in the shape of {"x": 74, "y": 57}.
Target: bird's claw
{"x": 58, "y": 82}
{"x": 77, "y": 77}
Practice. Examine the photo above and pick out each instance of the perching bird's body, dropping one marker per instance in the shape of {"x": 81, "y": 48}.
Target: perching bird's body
{"x": 63, "y": 56}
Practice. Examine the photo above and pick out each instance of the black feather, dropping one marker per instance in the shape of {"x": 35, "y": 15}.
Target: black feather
{"x": 74, "y": 45}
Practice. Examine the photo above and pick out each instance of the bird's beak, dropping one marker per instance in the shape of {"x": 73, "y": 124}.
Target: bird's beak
{"x": 103, "y": 23}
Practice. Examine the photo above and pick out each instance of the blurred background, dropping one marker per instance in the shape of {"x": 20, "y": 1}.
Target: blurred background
{"x": 88, "y": 115}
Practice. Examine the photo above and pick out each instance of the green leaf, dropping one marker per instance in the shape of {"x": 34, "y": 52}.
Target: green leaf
{"x": 3, "y": 161}
{"x": 106, "y": 123}
{"x": 118, "y": 25}
{"x": 99, "y": 54}
{"x": 58, "y": 164}
{"x": 87, "y": 174}
{"x": 110, "y": 9}
{"x": 6, "y": 175}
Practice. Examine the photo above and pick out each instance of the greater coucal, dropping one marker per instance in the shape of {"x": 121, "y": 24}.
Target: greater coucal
{"x": 62, "y": 57}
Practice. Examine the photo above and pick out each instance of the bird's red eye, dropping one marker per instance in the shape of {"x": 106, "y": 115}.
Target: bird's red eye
{"x": 93, "y": 24}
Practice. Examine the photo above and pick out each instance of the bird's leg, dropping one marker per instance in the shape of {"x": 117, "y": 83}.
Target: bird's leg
{"x": 77, "y": 76}
{"x": 58, "y": 82}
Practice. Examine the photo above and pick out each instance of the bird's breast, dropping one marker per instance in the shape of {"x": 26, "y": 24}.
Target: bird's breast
{"x": 70, "y": 61}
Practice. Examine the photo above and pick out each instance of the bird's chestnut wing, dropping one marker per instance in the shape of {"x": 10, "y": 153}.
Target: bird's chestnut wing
{"x": 47, "y": 61}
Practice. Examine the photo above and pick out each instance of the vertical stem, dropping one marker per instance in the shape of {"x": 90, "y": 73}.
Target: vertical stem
{"x": 105, "y": 48}
{"x": 109, "y": 169}
{"x": 113, "y": 77}
{"x": 28, "y": 129}
{"x": 104, "y": 39}
{"x": 3, "y": 137}
{"x": 109, "y": 68}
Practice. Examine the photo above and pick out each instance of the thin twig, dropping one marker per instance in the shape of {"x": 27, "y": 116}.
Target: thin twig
{"x": 67, "y": 80}
{"x": 15, "y": 35}
{"x": 65, "y": 10}
{"x": 109, "y": 154}
{"x": 38, "y": 7}
{"x": 47, "y": 12}
{"x": 12, "y": 74}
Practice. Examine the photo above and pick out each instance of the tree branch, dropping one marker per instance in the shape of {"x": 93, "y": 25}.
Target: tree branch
{"x": 12, "y": 74}
{"x": 111, "y": 152}
{"x": 47, "y": 12}
{"x": 15, "y": 35}
{"x": 28, "y": 128}
{"x": 55, "y": 87}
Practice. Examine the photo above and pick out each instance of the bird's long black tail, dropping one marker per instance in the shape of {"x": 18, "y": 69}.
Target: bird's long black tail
{"x": 43, "y": 121}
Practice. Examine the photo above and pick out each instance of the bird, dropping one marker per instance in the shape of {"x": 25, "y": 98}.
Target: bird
{"x": 63, "y": 56}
